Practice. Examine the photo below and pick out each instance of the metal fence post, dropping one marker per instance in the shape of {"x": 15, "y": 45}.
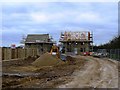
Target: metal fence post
{"x": 110, "y": 53}
{"x": 118, "y": 54}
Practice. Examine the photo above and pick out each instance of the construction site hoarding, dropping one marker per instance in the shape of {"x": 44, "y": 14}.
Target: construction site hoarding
{"x": 75, "y": 36}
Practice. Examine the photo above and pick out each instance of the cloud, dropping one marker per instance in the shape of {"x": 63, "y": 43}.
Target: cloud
{"x": 89, "y": 17}
{"x": 67, "y": 16}
{"x": 25, "y": 18}
{"x": 39, "y": 17}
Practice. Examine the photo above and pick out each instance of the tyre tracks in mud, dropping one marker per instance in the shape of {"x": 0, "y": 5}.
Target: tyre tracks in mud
{"x": 109, "y": 73}
{"x": 96, "y": 73}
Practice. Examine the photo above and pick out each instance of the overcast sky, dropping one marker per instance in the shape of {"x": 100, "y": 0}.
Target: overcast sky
{"x": 20, "y": 19}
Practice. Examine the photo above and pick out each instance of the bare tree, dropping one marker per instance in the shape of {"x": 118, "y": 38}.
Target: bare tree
{"x": 23, "y": 39}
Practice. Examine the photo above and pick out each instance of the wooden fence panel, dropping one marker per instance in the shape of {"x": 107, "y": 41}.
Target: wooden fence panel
{"x": 3, "y": 54}
{"x": 8, "y": 53}
{"x": 12, "y": 53}
{"x": 21, "y": 53}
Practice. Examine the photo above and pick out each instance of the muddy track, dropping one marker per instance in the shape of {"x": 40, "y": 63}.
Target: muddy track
{"x": 109, "y": 73}
{"x": 85, "y": 72}
{"x": 44, "y": 77}
{"x": 96, "y": 73}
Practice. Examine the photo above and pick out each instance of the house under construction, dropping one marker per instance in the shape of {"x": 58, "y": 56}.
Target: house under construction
{"x": 77, "y": 42}
{"x": 41, "y": 41}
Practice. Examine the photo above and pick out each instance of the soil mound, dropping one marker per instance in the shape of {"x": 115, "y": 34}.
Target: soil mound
{"x": 47, "y": 60}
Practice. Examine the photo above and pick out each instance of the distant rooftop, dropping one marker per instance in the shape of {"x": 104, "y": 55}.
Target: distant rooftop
{"x": 38, "y": 38}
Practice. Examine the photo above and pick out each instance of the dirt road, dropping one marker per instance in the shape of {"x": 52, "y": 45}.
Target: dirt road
{"x": 97, "y": 73}
{"x": 84, "y": 72}
{"x": 19, "y": 74}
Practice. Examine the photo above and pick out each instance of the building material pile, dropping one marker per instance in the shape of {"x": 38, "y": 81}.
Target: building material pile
{"x": 47, "y": 60}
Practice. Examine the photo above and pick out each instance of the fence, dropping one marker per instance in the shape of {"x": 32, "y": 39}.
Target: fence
{"x": 111, "y": 53}
{"x": 114, "y": 54}
{"x": 8, "y": 53}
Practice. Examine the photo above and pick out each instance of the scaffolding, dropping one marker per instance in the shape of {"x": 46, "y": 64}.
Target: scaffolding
{"x": 72, "y": 44}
